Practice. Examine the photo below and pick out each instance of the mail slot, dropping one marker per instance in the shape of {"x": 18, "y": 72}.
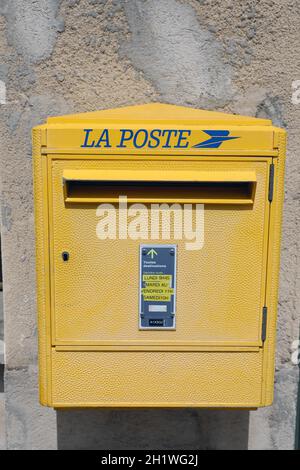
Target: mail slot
{"x": 190, "y": 186}
{"x": 157, "y": 257}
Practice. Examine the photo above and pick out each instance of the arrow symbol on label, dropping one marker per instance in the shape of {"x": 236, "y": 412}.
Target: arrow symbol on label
{"x": 152, "y": 253}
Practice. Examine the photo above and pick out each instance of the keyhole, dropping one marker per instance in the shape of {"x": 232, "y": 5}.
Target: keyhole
{"x": 65, "y": 255}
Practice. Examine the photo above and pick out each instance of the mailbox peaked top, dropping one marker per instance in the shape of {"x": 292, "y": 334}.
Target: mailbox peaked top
{"x": 158, "y": 112}
{"x": 159, "y": 128}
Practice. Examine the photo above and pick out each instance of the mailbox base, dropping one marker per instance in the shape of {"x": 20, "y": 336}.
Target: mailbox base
{"x": 142, "y": 379}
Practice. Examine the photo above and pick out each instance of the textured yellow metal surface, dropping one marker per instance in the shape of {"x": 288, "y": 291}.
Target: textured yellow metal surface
{"x": 157, "y": 379}
{"x": 228, "y": 175}
{"x": 273, "y": 269}
{"x": 42, "y": 266}
{"x": 91, "y": 351}
{"x": 153, "y": 112}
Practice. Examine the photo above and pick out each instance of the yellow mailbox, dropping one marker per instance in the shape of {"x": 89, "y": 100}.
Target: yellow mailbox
{"x": 158, "y": 240}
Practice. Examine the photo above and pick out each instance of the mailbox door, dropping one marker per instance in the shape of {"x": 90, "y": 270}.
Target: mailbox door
{"x": 220, "y": 289}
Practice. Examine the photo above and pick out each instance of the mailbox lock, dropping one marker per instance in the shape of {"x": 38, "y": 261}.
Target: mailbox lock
{"x": 65, "y": 256}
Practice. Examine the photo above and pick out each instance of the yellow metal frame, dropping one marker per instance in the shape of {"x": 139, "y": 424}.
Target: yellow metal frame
{"x": 53, "y": 142}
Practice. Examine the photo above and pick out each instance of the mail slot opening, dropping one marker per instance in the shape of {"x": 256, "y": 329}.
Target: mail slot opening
{"x": 221, "y": 192}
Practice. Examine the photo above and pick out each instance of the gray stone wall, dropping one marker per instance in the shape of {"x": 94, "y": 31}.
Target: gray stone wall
{"x": 58, "y": 57}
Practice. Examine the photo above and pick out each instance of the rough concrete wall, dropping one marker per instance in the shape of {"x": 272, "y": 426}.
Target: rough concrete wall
{"x": 81, "y": 55}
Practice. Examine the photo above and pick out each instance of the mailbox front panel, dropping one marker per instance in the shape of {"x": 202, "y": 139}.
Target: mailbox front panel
{"x": 220, "y": 285}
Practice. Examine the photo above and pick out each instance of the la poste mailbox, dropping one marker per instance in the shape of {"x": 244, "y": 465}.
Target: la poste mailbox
{"x": 158, "y": 238}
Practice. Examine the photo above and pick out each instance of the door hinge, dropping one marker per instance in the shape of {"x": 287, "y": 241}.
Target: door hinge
{"x": 271, "y": 182}
{"x": 264, "y": 324}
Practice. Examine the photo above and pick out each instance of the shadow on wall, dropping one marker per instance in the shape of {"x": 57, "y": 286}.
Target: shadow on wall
{"x": 155, "y": 429}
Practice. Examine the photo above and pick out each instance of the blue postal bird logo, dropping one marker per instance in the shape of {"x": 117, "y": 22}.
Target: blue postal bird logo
{"x": 216, "y": 140}
{"x": 152, "y": 139}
